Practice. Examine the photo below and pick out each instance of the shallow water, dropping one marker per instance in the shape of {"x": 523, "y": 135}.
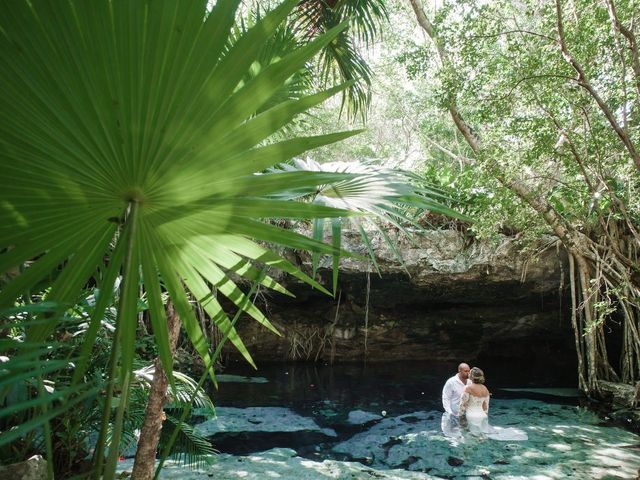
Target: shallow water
{"x": 387, "y": 418}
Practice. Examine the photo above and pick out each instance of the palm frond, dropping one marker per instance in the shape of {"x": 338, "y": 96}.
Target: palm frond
{"x": 186, "y": 391}
{"x": 283, "y": 41}
{"x": 367, "y": 17}
{"x": 32, "y": 387}
{"x": 190, "y": 448}
{"x": 341, "y": 59}
{"x": 387, "y": 196}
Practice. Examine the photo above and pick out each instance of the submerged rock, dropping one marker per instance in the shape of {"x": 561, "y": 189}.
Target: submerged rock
{"x": 242, "y": 431}
{"x": 279, "y": 463}
{"x": 259, "y": 419}
{"x": 358, "y": 417}
{"x": 563, "y": 441}
{"x": 223, "y": 377}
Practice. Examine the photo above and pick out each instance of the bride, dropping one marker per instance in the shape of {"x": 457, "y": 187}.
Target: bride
{"x": 474, "y": 404}
{"x": 474, "y": 407}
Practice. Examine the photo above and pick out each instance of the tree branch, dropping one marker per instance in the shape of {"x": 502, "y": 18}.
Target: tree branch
{"x": 517, "y": 30}
{"x": 631, "y": 40}
{"x": 572, "y": 239}
{"x": 458, "y": 158}
{"x": 427, "y": 26}
{"x": 583, "y": 81}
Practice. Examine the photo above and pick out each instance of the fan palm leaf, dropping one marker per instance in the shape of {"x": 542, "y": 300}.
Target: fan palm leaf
{"x": 132, "y": 124}
{"x": 380, "y": 194}
{"x": 186, "y": 392}
{"x": 283, "y": 41}
{"x": 189, "y": 448}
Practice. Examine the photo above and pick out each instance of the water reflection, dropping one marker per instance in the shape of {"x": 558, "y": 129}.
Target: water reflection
{"x": 450, "y": 426}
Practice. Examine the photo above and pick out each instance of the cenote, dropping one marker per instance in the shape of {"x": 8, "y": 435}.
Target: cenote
{"x": 384, "y": 420}
{"x": 354, "y": 195}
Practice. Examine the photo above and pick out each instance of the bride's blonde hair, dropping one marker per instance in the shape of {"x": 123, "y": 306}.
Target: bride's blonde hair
{"x": 476, "y": 375}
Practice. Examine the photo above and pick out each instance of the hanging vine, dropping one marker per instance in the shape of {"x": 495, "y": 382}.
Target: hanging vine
{"x": 366, "y": 312}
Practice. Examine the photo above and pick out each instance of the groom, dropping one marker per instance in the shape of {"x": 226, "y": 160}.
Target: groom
{"x": 453, "y": 389}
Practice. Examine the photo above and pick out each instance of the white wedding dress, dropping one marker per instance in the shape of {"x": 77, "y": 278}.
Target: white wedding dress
{"x": 478, "y": 420}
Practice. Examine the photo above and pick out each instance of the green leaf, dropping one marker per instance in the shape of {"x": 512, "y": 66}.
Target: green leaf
{"x": 80, "y": 394}
{"x": 129, "y": 140}
{"x": 167, "y": 265}
{"x": 226, "y": 258}
{"x": 205, "y": 297}
{"x": 157, "y": 310}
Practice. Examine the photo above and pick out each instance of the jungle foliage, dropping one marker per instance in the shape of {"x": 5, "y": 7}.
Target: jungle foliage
{"x": 546, "y": 96}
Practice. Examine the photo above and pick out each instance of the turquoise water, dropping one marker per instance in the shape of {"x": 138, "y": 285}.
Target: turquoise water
{"x": 389, "y": 417}
{"x": 385, "y": 421}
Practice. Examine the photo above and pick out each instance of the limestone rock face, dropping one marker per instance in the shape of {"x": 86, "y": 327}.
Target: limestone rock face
{"x": 453, "y": 299}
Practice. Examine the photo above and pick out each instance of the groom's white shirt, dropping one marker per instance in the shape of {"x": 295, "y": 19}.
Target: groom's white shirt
{"x": 451, "y": 394}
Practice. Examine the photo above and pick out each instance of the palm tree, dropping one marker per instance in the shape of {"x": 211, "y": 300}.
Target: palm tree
{"x": 341, "y": 60}
{"x": 127, "y": 134}
{"x": 130, "y": 138}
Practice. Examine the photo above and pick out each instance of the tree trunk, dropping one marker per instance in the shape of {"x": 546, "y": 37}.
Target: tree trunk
{"x": 589, "y": 328}
{"x": 143, "y": 466}
{"x": 577, "y": 329}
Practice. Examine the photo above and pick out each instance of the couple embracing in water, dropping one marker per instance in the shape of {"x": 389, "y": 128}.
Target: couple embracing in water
{"x": 465, "y": 396}
{"x": 465, "y": 399}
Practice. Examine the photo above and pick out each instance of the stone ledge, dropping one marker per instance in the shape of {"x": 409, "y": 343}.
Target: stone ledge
{"x": 622, "y": 394}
